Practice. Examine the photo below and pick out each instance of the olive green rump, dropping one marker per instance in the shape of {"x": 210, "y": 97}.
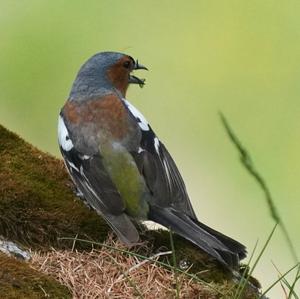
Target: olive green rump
{"x": 125, "y": 175}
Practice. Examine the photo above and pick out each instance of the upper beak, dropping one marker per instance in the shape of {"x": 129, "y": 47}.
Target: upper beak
{"x": 139, "y": 66}
{"x": 134, "y": 79}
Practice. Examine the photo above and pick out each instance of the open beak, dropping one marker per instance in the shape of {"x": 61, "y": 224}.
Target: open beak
{"x": 134, "y": 79}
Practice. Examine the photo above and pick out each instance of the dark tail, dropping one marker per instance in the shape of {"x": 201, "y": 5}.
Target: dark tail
{"x": 226, "y": 250}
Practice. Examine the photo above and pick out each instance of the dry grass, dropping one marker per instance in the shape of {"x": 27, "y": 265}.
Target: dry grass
{"x": 105, "y": 273}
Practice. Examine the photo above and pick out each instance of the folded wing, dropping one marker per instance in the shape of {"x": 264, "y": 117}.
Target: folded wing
{"x": 92, "y": 180}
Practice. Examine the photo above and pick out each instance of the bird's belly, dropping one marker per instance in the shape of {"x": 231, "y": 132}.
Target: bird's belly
{"x": 124, "y": 173}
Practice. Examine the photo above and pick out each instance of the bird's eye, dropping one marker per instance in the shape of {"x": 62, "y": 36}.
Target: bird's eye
{"x": 127, "y": 64}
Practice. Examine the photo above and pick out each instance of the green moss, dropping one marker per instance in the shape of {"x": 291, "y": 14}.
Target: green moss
{"x": 37, "y": 204}
{"x": 18, "y": 281}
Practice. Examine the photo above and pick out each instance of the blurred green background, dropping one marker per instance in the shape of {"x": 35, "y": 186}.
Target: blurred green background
{"x": 240, "y": 57}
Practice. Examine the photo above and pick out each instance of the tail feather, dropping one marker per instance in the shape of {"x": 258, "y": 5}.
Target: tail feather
{"x": 230, "y": 243}
{"x": 226, "y": 250}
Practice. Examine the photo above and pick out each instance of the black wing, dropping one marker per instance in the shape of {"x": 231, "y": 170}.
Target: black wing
{"x": 159, "y": 169}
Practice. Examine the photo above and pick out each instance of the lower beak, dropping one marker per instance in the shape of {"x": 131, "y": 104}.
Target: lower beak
{"x": 136, "y": 80}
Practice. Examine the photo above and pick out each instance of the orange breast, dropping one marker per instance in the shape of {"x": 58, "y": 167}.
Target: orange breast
{"x": 107, "y": 114}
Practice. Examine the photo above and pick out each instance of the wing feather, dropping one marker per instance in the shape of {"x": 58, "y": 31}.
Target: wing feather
{"x": 92, "y": 180}
{"x": 159, "y": 169}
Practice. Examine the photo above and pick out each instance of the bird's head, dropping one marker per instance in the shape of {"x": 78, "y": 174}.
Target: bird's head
{"x": 106, "y": 70}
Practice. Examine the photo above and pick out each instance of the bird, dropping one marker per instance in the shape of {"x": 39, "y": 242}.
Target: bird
{"x": 121, "y": 168}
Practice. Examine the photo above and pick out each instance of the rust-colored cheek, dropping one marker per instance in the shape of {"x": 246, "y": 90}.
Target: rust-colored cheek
{"x": 119, "y": 76}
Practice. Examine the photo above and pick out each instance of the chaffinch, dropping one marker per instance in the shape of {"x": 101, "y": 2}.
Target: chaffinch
{"x": 119, "y": 165}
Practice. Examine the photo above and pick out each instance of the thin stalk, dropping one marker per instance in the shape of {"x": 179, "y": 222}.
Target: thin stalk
{"x": 247, "y": 162}
{"x": 256, "y": 261}
{"x": 290, "y": 287}
{"x": 245, "y": 271}
{"x": 279, "y": 279}
{"x": 130, "y": 281}
{"x": 174, "y": 264}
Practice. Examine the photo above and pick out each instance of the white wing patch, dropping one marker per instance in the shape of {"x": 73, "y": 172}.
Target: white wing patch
{"x": 144, "y": 125}
{"x": 140, "y": 150}
{"x": 72, "y": 165}
{"x": 156, "y": 145}
{"x": 63, "y": 136}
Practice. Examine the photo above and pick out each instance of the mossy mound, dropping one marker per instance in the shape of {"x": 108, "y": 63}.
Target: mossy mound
{"x": 37, "y": 204}
{"x": 38, "y": 207}
{"x": 18, "y": 280}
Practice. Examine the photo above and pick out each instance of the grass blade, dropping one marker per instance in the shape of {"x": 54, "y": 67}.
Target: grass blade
{"x": 248, "y": 164}
{"x": 291, "y": 290}
{"x": 174, "y": 264}
{"x": 256, "y": 261}
{"x": 279, "y": 279}
{"x": 130, "y": 281}
{"x": 240, "y": 285}
{"x": 290, "y": 287}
